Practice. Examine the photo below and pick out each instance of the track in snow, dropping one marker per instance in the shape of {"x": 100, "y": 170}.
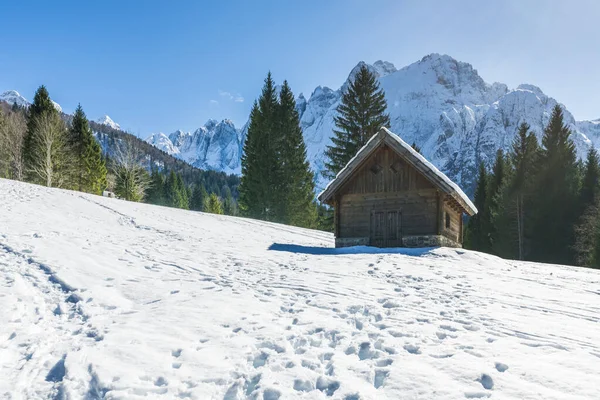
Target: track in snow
{"x": 109, "y": 299}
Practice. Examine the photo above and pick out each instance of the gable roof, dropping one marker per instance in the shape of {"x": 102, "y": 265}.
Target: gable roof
{"x": 416, "y": 160}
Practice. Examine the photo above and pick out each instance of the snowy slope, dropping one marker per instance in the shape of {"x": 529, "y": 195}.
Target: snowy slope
{"x": 103, "y": 298}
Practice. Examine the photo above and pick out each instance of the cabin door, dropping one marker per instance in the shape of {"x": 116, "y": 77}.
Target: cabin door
{"x": 386, "y": 228}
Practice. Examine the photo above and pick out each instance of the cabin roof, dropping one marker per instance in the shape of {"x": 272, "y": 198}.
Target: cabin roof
{"x": 437, "y": 177}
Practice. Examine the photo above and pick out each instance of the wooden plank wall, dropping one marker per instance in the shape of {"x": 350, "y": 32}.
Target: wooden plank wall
{"x": 455, "y": 223}
{"x": 387, "y": 180}
{"x": 397, "y": 186}
{"x": 418, "y": 207}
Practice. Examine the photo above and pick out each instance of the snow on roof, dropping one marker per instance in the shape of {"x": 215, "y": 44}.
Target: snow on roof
{"x": 455, "y": 190}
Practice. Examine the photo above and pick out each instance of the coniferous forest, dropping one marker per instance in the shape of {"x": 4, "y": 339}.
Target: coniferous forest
{"x": 538, "y": 202}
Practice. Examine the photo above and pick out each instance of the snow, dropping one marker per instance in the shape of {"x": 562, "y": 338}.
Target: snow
{"x": 215, "y": 145}
{"x": 12, "y": 97}
{"x": 415, "y": 154}
{"x": 106, "y": 120}
{"x": 438, "y": 102}
{"x": 103, "y": 298}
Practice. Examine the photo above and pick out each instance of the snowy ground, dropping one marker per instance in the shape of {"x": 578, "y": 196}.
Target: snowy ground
{"x": 102, "y": 298}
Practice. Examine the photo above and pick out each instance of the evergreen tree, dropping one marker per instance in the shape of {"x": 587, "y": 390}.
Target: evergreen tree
{"x": 229, "y": 206}
{"x": 587, "y": 237}
{"x": 590, "y": 185}
{"x": 476, "y": 237}
{"x": 88, "y": 170}
{"x": 260, "y": 168}
{"x": 176, "y": 192}
{"x": 515, "y": 212}
{"x": 295, "y": 183}
{"x": 213, "y": 205}
{"x": 324, "y": 218}
{"x": 587, "y": 230}
{"x": 495, "y": 185}
{"x": 361, "y": 114}
{"x": 198, "y": 195}
{"x": 156, "y": 189}
{"x": 556, "y": 201}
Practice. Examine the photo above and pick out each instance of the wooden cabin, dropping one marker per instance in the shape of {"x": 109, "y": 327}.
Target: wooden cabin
{"x": 389, "y": 195}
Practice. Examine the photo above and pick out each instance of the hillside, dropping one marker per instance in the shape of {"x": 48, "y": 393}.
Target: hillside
{"x": 115, "y": 141}
{"x": 105, "y": 299}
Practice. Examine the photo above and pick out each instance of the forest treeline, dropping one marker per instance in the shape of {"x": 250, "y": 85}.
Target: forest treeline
{"x": 538, "y": 202}
{"x": 39, "y": 144}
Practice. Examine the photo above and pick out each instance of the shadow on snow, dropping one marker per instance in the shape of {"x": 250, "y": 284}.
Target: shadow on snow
{"x": 315, "y": 250}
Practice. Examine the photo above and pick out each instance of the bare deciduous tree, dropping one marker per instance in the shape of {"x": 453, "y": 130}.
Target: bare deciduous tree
{"x": 12, "y": 133}
{"x": 49, "y": 144}
{"x": 131, "y": 179}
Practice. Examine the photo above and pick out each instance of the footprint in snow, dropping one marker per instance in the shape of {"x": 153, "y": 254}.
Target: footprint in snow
{"x": 501, "y": 367}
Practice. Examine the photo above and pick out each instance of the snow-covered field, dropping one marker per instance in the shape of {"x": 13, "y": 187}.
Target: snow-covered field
{"x": 101, "y": 298}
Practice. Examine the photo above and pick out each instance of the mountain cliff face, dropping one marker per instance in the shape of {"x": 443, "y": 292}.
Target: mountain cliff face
{"x": 446, "y": 108}
{"x": 216, "y": 145}
{"x": 441, "y": 104}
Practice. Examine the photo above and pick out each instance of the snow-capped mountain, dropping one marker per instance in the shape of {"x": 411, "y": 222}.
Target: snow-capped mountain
{"x": 441, "y": 104}
{"x": 216, "y": 145}
{"x": 106, "y": 120}
{"x": 13, "y": 97}
{"x": 445, "y": 107}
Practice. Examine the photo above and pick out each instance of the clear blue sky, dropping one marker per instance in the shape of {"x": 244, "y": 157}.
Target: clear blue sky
{"x": 161, "y": 66}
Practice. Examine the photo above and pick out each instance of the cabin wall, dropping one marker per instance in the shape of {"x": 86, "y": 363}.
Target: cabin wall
{"x": 418, "y": 212}
{"x": 454, "y": 230}
{"x": 385, "y": 182}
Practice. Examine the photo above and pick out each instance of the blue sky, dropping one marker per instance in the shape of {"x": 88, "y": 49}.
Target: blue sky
{"x": 161, "y": 66}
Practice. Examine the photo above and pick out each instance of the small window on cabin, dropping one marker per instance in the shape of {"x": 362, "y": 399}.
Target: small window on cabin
{"x": 447, "y": 221}
{"x": 396, "y": 167}
{"x": 376, "y": 168}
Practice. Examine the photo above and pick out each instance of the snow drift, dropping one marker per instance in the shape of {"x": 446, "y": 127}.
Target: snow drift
{"x": 103, "y": 298}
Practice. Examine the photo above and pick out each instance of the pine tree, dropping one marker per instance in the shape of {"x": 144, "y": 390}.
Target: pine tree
{"x": 89, "y": 170}
{"x": 176, "y": 192}
{"x": 590, "y": 185}
{"x": 587, "y": 230}
{"x": 515, "y": 212}
{"x": 260, "y": 168}
{"x": 360, "y": 115}
{"x": 495, "y": 185}
{"x": 156, "y": 189}
{"x": 295, "y": 183}
{"x": 213, "y": 205}
{"x": 476, "y": 237}
{"x": 557, "y": 185}
{"x": 198, "y": 195}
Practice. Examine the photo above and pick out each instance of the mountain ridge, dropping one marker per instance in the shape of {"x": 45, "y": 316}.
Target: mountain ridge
{"x": 441, "y": 104}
